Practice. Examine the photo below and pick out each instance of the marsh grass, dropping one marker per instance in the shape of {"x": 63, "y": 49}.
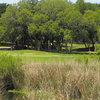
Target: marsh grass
{"x": 65, "y": 81}
{"x": 41, "y": 76}
{"x": 11, "y": 75}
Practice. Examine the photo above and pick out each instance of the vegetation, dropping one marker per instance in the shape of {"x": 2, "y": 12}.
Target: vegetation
{"x": 50, "y": 24}
{"x": 10, "y": 73}
{"x": 36, "y": 78}
{"x": 3, "y": 7}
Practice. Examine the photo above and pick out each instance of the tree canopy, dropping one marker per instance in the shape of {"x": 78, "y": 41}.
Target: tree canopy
{"x": 48, "y": 24}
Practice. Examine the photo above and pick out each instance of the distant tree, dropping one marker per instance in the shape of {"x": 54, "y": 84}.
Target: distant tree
{"x": 46, "y": 24}
{"x": 71, "y": 19}
{"x": 27, "y": 4}
{"x": 35, "y": 29}
{"x": 15, "y": 24}
{"x": 91, "y": 26}
{"x": 81, "y": 6}
{"x": 51, "y": 7}
{"x": 3, "y": 7}
{"x": 8, "y": 21}
{"x": 98, "y": 34}
{"x": 24, "y": 19}
{"x": 67, "y": 39}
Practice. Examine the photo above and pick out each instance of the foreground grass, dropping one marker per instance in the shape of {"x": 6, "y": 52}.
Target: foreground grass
{"x": 52, "y": 76}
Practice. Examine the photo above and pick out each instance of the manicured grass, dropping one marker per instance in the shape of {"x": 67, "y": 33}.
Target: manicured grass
{"x": 29, "y": 55}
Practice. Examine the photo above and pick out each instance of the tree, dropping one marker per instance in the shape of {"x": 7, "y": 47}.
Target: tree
{"x": 91, "y": 26}
{"x": 27, "y": 4}
{"x": 98, "y": 34}
{"x": 81, "y": 6}
{"x": 71, "y": 20}
{"x": 3, "y": 7}
{"x": 15, "y": 23}
{"x": 67, "y": 39}
{"x": 35, "y": 29}
{"x": 46, "y": 24}
{"x": 8, "y": 22}
{"x": 24, "y": 19}
{"x": 51, "y": 7}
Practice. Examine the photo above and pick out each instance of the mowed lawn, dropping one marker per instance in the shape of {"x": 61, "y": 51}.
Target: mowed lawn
{"x": 29, "y": 55}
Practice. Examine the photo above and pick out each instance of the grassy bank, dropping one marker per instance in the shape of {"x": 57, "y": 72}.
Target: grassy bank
{"x": 37, "y": 75}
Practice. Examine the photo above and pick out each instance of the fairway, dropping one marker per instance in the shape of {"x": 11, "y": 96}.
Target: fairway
{"x": 41, "y": 55}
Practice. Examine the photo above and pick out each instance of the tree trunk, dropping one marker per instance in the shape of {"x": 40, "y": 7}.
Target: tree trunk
{"x": 45, "y": 44}
{"x": 85, "y": 44}
{"x": 38, "y": 45}
{"x": 89, "y": 46}
{"x": 93, "y": 45}
{"x": 59, "y": 47}
{"x": 71, "y": 46}
{"x": 16, "y": 47}
{"x": 67, "y": 51}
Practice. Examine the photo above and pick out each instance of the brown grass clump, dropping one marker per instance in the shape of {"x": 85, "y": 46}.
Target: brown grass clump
{"x": 62, "y": 80}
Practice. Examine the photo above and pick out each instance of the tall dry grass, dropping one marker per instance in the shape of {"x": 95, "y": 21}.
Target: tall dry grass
{"x": 70, "y": 80}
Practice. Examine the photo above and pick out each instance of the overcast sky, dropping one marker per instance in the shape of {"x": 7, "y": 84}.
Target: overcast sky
{"x": 15, "y": 1}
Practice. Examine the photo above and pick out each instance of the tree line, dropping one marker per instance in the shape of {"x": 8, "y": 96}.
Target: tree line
{"x": 49, "y": 24}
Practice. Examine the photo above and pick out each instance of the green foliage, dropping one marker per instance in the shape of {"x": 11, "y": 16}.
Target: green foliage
{"x": 11, "y": 74}
{"x": 8, "y": 22}
{"x": 51, "y": 7}
{"x": 27, "y": 4}
{"x": 10, "y": 65}
{"x": 3, "y": 7}
{"x": 97, "y": 48}
{"x": 99, "y": 34}
{"x": 45, "y": 24}
{"x": 24, "y": 16}
{"x": 67, "y": 34}
{"x": 82, "y": 6}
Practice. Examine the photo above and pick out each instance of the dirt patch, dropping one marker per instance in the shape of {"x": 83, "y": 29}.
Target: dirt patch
{"x": 4, "y": 47}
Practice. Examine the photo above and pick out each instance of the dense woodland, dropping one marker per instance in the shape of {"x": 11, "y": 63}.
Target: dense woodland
{"x": 49, "y": 24}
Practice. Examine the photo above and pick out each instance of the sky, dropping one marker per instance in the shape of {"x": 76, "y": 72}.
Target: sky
{"x": 15, "y": 1}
